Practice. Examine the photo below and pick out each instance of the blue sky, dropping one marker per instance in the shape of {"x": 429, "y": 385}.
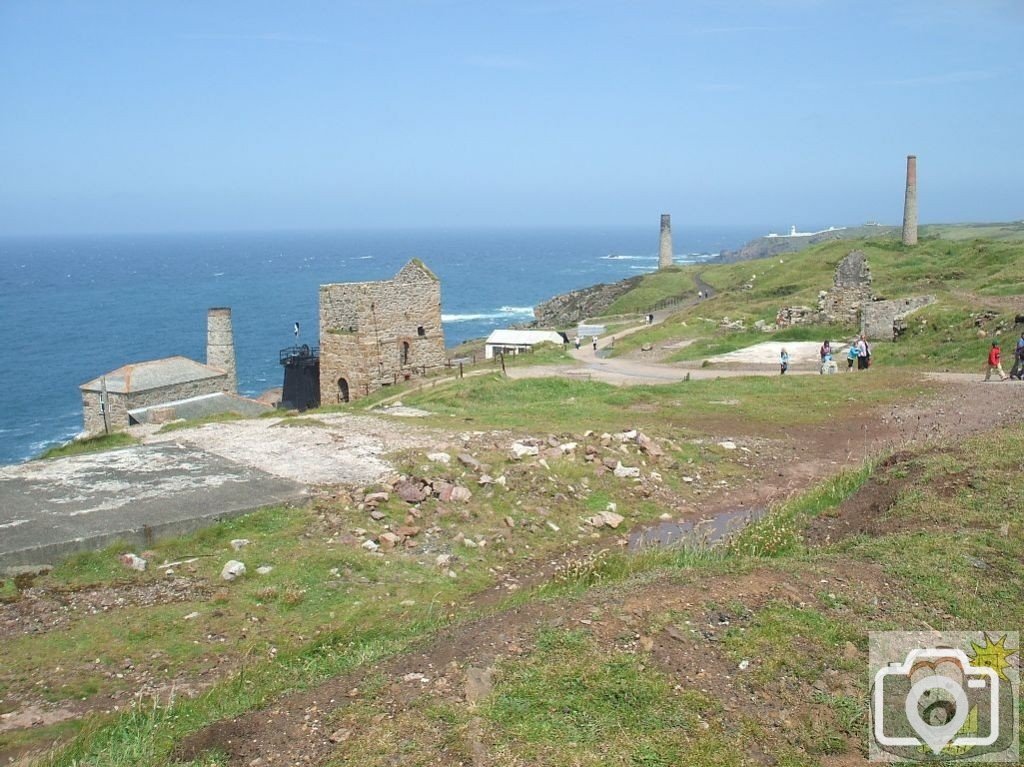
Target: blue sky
{"x": 248, "y": 115}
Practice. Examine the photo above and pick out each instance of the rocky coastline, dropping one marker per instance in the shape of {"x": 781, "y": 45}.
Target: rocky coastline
{"x": 577, "y": 305}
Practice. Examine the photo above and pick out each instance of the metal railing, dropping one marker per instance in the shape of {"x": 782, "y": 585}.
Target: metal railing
{"x": 298, "y": 354}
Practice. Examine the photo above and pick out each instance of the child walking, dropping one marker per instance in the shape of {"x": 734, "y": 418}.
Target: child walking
{"x": 994, "y": 362}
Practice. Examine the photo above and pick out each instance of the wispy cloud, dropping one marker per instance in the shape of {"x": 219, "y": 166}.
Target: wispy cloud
{"x": 265, "y": 37}
{"x": 946, "y": 78}
{"x": 497, "y": 61}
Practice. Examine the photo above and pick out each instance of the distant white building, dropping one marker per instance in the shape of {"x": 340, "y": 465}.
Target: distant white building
{"x": 515, "y": 341}
{"x": 794, "y": 233}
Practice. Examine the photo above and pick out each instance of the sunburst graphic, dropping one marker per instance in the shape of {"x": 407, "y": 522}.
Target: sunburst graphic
{"x": 993, "y": 655}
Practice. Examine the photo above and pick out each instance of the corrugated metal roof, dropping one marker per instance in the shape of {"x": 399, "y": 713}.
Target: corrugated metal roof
{"x": 152, "y": 374}
{"x": 523, "y": 337}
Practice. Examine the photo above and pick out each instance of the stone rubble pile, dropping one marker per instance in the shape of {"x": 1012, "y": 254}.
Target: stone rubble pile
{"x": 415, "y": 523}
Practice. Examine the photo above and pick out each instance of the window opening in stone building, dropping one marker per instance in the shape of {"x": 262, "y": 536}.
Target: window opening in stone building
{"x": 421, "y": 331}
{"x": 405, "y": 352}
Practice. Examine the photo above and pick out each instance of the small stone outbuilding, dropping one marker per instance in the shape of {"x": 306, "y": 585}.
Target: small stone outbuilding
{"x": 158, "y": 391}
{"x": 375, "y": 334}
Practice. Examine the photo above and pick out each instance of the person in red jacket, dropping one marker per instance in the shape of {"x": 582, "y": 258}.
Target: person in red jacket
{"x": 994, "y": 362}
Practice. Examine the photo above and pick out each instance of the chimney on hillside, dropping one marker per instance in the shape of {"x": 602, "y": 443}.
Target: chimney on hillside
{"x": 910, "y": 203}
{"x": 220, "y": 345}
{"x": 665, "y": 247}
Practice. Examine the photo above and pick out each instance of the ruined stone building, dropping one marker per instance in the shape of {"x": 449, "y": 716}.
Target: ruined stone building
{"x": 851, "y": 290}
{"x": 374, "y": 334}
{"x": 158, "y": 391}
{"x": 851, "y": 302}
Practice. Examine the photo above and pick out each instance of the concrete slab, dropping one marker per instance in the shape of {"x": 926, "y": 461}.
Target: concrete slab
{"x": 50, "y": 509}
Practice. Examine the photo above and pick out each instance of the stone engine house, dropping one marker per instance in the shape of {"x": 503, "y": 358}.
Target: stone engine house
{"x": 375, "y": 334}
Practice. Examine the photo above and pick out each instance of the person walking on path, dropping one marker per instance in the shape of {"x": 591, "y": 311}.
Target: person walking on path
{"x": 594, "y": 342}
{"x": 783, "y": 362}
{"x": 851, "y": 356}
{"x": 1017, "y": 371}
{"x": 994, "y": 362}
{"x": 863, "y": 353}
{"x": 577, "y": 343}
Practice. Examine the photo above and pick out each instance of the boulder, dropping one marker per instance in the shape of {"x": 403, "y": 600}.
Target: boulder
{"x": 520, "y": 450}
{"x": 649, "y": 446}
{"x": 626, "y": 472}
{"x": 410, "y": 491}
{"x": 443, "y": 490}
{"x": 605, "y": 519}
{"x": 232, "y": 570}
{"x": 389, "y": 540}
{"x": 134, "y": 562}
{"x": 611, "y": 519}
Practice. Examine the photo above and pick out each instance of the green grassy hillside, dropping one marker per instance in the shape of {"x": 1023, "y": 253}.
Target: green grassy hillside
{"x": 979, "y": 285}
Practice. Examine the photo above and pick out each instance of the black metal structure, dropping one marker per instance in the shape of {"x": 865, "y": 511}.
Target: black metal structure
{"x": 301, "y": 377}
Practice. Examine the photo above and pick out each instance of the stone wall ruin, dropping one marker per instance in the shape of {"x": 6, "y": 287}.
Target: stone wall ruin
{"x": 851, "y": 289}
{"x": 850, "y": 302}
{"x": 882, "y": 320}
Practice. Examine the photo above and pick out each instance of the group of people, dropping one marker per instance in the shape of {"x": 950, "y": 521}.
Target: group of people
{"x": 859, "y": 353}
{"x": 593, "y": 342}
{"x": 995, "y": 361}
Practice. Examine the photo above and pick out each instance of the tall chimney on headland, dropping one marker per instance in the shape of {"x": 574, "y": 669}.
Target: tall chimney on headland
{"x": 910, "y": 204}
{"x": 665, "y": 247}
{"x": 220, "y": 345}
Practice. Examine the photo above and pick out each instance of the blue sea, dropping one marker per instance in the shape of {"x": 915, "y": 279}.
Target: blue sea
{"x": 72, "y": 308}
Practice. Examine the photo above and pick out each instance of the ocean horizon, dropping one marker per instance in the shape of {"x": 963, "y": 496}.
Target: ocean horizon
{"x": 75, "y": 307}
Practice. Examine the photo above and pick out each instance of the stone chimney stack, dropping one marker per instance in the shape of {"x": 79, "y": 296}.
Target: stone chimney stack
{"x": 665, "y": 248}
{"x": 910, "y": 204}
{"x": 220, "y": 345}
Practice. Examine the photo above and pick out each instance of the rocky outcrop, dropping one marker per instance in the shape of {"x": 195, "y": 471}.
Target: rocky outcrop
{"x": 577, "y": 305}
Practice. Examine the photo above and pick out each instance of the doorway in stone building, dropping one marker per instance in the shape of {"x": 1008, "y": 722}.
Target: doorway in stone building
{"x": 342, "y": 390}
